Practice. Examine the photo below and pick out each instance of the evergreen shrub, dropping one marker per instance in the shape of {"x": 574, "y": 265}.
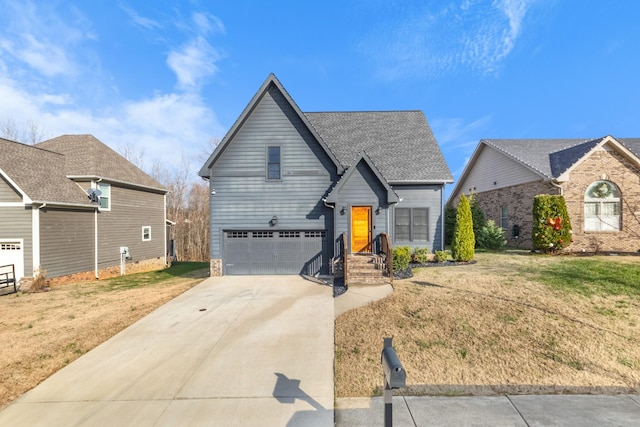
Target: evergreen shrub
{"x": 551, "y": 229}
{"x": 462, "y": 247}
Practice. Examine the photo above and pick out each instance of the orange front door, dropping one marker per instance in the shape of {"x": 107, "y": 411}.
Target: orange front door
{"x": 360, "y": 229}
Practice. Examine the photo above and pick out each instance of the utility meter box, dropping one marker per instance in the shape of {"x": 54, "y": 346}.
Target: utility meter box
{"x": 124, "y": 250}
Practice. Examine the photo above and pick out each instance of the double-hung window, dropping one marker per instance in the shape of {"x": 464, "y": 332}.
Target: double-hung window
{"x": 105, "y": 196}
{"x": 274, "y": 166}
{"x": 411, "y": 224}
{"x": 504, "y": 217}
{"x": 146, "y": 233}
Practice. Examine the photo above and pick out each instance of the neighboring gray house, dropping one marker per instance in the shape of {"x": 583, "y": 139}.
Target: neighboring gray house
{"x": 48, "y": 221}
{"x": 598, "y": 177}
{"x": 286, "y": 185}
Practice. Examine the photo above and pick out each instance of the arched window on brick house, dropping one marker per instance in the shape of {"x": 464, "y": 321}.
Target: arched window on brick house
{"x": 602, "y": 204}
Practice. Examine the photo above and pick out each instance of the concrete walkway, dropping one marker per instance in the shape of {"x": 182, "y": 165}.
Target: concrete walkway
{"x": 494, "y": 411}
{"x": 246, "y": 351}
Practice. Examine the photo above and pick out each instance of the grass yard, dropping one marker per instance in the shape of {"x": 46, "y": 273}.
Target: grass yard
{"x": 42, "y": 332}
{"x": 511, "y": 323}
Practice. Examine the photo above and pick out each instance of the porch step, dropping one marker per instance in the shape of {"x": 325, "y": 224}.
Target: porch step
{"x": 366, "y": 269}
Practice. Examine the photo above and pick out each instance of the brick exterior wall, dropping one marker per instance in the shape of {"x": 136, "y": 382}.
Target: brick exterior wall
{"x": 519, "y": 202}
{"x": 610, "y": 166}
{"x": 600, "y": 165}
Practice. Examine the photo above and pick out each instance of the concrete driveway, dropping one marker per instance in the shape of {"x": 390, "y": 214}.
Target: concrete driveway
{"x": 231, "y": 351}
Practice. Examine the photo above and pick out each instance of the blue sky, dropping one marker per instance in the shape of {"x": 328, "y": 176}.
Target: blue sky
{"x": 166, "y": 77}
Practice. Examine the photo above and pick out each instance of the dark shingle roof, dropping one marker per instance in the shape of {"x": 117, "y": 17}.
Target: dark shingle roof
{"x": 87, "y": 156}
{"x": 633, "y": 144}
{"x": 39, "y": 173}
{"x": 400, "y": 143}
{"x": 549, "y": 157}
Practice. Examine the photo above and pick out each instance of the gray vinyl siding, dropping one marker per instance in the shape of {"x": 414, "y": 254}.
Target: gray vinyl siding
{"x": 66, "y": 241}
{"x": 421, "y": 196}
{"x": 7, "y": 193}
{"x": 131, "y": 209}
{"x": 493, "y": 170}
{"x": 16, "y": 223}
{"x": 245, "y": 200}
{"x": 362, "y": 189}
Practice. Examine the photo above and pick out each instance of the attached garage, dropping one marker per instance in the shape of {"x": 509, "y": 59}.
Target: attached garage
{"x": 275, "y": 252}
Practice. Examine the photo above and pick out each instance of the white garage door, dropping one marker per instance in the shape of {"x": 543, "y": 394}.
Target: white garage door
{"x": 11, "y": 252}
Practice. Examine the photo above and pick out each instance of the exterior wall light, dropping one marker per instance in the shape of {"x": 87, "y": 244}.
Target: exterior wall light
{"x": 273, "y": 221}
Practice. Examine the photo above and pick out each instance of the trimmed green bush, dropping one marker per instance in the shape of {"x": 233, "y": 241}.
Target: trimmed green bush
{"x": 462, "y": 247}
{"x": 551, "y": 229}
{"x": 491, "y": 237}
{"x": 401, "y": 258}
{"x": 420, "y": 255}
{"x": 441, "y": 256}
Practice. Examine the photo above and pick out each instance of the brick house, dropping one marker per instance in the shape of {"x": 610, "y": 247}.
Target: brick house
{"x": 599, "y": 178}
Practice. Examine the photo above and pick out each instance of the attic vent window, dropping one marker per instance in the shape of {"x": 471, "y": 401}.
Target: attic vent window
{"x": 273, "y": 163}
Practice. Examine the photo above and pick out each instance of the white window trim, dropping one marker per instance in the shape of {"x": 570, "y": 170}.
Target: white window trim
{"x": 143, "y": 233}
{"x": 612, "y": 228}
{"x": 108, "y": 208}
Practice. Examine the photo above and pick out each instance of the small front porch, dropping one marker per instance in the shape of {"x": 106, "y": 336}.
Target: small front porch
{"x": 371, "y": 267}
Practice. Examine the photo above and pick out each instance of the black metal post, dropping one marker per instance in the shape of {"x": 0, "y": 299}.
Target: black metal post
{"x": 388, "y": 406}
{"x": 388, "y": 394}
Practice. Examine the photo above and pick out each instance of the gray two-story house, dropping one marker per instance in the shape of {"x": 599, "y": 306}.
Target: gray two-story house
{"x": 48, "y": 222}
{"x": 287, "y": 187}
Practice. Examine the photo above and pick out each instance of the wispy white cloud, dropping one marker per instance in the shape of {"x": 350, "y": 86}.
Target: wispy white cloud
{"x": 139, "y": 20}
{"x": 42, "y": 47}
{"x": 475, "y": 35}
{"x": 193, "y": 62}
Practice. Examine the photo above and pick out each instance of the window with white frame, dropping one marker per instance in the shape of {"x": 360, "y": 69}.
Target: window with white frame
{"x": 146, "y": 233}
{"x": 105, "y": 196}
{"x": 411, "y": 224}
{"x": 602, "y": 207}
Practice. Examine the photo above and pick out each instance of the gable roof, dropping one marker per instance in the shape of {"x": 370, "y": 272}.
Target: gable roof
{"x": 271, "y": 80}
{"x": 392, "y": 196}
{"x": 39, "y": 175}
{"x": 87, "y": 157}
{"x": 551, "y": 159}
{"x": 400, "y": 143}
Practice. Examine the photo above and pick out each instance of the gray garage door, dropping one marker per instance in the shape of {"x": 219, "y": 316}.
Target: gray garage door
{"x": 275, "y": 252}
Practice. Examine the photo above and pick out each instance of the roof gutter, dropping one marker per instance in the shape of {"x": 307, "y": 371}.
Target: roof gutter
{"x": 117, "y": 181}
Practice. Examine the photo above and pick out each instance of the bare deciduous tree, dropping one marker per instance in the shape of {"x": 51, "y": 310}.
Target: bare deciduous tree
{"x": 27, "y": 133}
{"x": 188, "y": 208}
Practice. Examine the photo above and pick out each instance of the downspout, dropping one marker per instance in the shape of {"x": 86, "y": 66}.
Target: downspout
{"x": 442, "y": 218}
{"x": 556, "y": 185}
{"x": 164, "y": 227}
{"x": 95, "y": 241}
{"x": 35, "y": 237}
{"x": 324, "y": 200}
{"x": 95, "y": 236}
